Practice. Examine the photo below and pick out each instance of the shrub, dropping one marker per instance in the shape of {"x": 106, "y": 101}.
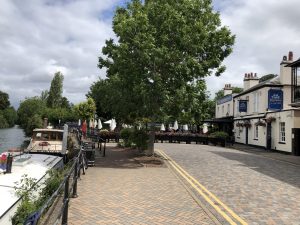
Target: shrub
{"x": 127, "y": 135}
{"x": 220, "y": 134}
{"x": 140, "y": 139}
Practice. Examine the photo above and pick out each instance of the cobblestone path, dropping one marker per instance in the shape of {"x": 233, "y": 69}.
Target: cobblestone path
{"x": 258, "y": 189}
{"x": 120, "y": 191}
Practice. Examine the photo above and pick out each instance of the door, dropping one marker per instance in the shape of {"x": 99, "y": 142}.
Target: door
{"x": 269, "y": 136}
{"x": 247, "y": 135}
{"x": 296, "y": 141}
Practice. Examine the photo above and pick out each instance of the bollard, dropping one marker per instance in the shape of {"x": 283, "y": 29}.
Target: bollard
{"x": 104, "y": 148}
{"x": 66, "y": 203}
{"x": 74, "y": 195}
{"x": 9, "y": 163}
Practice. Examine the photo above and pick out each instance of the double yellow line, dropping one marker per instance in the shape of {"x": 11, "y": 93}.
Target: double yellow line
{"x": 219, "y": 206}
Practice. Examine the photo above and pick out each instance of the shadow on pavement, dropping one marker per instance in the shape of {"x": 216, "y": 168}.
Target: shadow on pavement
{"x": 278, "y": 170}
{"x": 117, "y": 158}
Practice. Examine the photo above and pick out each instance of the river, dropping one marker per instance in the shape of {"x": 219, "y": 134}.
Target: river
{"x": 11, "y": 138}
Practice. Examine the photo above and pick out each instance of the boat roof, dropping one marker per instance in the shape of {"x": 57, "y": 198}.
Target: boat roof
{"x": 35, "y": 166}
{"x": 46, "y": 129}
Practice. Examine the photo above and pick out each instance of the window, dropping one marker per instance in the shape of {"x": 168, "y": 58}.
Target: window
{"x": 228, "y": 109}
{"x": 238, "y": 133}
{"x": 222, "y": 109}
{"x": 255, "y": 102}
{"x": 282, "y": 132}
{"x": 256, "y": 132}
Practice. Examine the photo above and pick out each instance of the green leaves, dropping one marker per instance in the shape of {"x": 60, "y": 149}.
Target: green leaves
{"x": 55, "y": 93}
{"x": 86, "y": 110}
{"x": 164, "y": 50}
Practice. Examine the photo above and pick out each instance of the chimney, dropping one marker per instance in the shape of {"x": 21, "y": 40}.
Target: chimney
{"x": 250, "y": 80}
{"x": 290, "y": 56}
{"x": 227, "y": 89}
{"x": 285, "y": 72}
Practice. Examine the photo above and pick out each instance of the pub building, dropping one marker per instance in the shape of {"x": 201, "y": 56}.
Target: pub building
{"x": 224, "y": 112}
{"x": 267, "y": 114}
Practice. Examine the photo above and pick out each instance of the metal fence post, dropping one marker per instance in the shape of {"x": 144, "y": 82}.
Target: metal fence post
{"x": 66, "y": 203}
{"x": 74, "y": 195}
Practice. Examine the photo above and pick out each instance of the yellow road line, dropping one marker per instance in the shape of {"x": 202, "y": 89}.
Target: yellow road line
{"x": 204, "y": 192}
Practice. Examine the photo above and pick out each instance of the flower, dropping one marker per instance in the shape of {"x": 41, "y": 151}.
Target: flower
{"x": 270, "y": 119}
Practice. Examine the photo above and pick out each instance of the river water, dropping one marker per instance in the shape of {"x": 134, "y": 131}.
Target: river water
{"x": 11, "y": 138}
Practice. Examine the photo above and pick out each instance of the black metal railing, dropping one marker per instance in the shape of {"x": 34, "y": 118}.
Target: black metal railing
{"x": 66, "y": 188}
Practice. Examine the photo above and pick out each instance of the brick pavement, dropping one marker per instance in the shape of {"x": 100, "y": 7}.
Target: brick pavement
{"x": 118, "y": 190}
{"x": 258, "y": 189}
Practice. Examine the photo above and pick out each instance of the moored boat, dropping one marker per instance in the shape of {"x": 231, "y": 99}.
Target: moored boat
{"x": 49, "y": 141}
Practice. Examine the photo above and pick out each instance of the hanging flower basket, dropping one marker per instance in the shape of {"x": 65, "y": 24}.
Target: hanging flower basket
{"x": 247, "y": 124}
{"x": 260, "y": 123}
{"x": 270, "y": 119}
{"x": 238, "y": 124}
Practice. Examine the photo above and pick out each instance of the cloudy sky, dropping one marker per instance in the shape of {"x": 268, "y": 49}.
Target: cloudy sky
{"x": 40, "y": 37}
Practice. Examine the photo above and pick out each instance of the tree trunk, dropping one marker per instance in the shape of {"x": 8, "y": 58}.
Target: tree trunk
{"x": 150, "y": 148}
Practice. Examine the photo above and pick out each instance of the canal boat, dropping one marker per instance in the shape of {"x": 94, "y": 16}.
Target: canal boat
{"x": 49, "y": 141}
{"x": 34, "y": 166}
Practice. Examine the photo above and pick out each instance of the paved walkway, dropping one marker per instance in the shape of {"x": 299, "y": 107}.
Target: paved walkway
{"x": 119, "y": 190}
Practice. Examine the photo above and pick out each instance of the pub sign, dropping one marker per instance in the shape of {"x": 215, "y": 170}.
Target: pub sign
{"x": 275, "y": 99}
{"x": 243, "y": 105}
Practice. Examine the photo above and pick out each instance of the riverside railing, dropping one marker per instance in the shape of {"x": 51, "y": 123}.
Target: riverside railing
{"x": 66, "y": 189}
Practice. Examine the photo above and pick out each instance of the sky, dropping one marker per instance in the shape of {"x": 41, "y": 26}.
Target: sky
{"x": 41, "y": 37}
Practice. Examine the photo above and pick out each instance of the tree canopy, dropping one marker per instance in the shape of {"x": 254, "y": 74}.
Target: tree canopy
{"x": 8, "y": 115}
{"x": 163, "y": 51}
{"x": 86, "y": 110}
{"x": 55, "y": 93}
{"x": 4, "y": 100}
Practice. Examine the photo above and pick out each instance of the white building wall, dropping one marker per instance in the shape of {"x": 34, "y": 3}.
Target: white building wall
{"x": 224, "y": 110}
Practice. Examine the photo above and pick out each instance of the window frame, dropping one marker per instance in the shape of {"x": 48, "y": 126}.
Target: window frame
{"x": 282, "y": 132}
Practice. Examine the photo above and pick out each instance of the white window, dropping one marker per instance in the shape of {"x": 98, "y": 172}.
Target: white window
{"x": 282, "y": 132}
{"x": 256, "y": 132}
{"x": 255, "y": 101}
{"x": 228, "y": 109}
{"x": 238, "y": 133}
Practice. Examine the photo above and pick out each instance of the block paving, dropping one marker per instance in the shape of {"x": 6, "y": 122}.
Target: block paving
{"x": 119, "y": 190}
{"x": 259, "y": 189}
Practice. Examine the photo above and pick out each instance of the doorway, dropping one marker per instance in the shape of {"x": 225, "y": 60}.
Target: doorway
{"x": 296, "y": 141}
{"x": 269, "y": 136}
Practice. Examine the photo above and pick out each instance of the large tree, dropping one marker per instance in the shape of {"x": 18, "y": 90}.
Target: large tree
{"x": 4, "y": 100}
{"x": 54, "y": 97}
{"x": 163, "y": 46}
{"x": 86, "y": 110}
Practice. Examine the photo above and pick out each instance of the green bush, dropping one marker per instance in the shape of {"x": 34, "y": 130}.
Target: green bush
{"x": 220, "y": 134}
{"x": 27, "y": 189}
{"x": 126, "y": 134}
{"x": 140, "y": 139}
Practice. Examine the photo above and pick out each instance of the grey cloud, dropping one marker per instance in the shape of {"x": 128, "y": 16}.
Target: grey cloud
{"x": 265, "y": 31}
{"x": 39, "y": 38}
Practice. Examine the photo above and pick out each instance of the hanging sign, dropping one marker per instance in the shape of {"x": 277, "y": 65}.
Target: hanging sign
{"x": 275, "y": 99}
{"x": 242, "y": 105}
